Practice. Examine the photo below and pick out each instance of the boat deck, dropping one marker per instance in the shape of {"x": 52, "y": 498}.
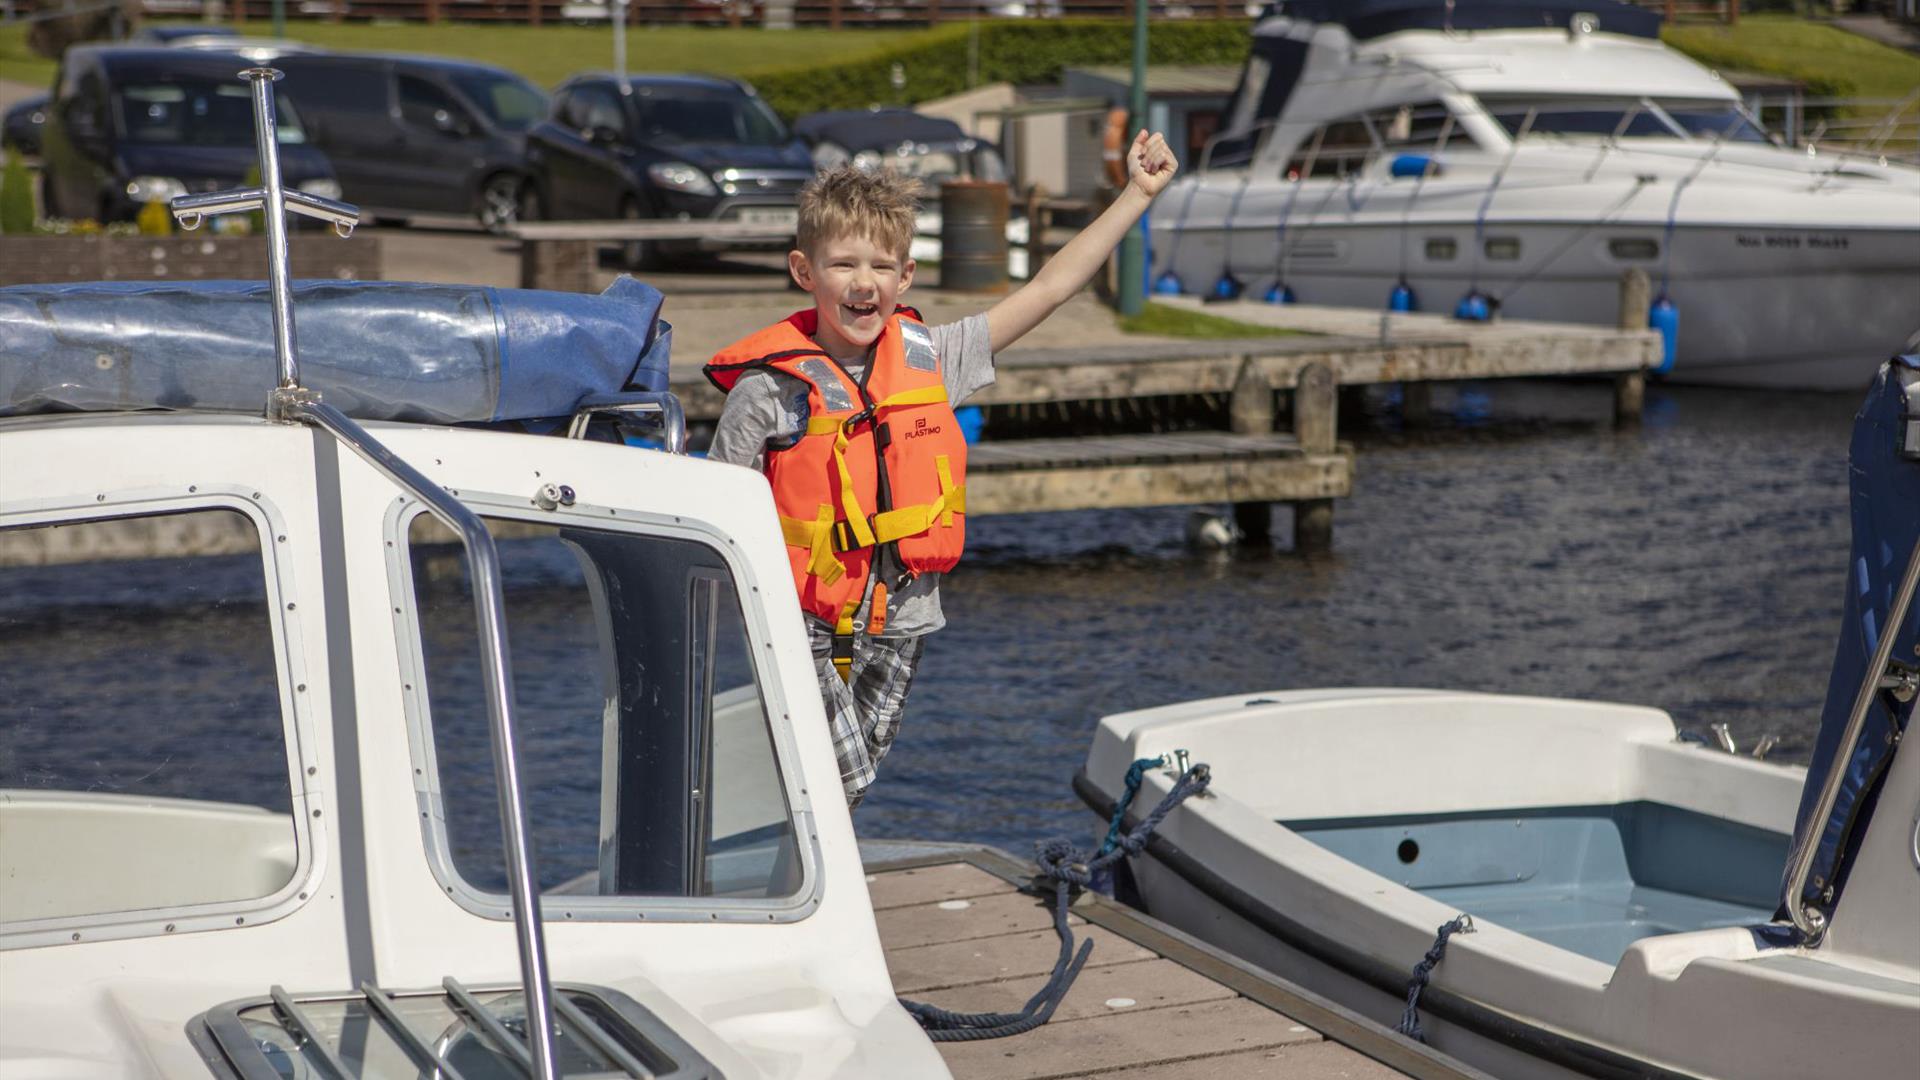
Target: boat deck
{"x": 1151, "y": 1002}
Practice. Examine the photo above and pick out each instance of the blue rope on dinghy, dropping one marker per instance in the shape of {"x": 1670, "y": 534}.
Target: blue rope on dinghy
{"x": 1068, "y": 868}
{"x": 1410, "y": 1020}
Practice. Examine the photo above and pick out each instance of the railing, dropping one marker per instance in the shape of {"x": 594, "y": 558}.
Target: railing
{"x": 1874, "y": 127}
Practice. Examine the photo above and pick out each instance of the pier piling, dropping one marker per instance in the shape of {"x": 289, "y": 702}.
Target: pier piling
{"x": 1316, "y": 412}
{"x": 1630, "y": 387}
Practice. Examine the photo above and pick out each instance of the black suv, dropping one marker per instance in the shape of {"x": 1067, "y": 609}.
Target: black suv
{"x": 418, "y": 135}
{"x": 129, "y": 126}
{"x": 671, "y": 146}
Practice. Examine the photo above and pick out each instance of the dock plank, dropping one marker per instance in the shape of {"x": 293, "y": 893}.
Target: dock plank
{"x": 925, "y": 968}
{"x": 1149, "y": 984}
{"x": 1104, "y": 1044}
{"x": 1304, "y": 1061}
{"x": 932, "y": 884}
{"x": 967, "y": 919}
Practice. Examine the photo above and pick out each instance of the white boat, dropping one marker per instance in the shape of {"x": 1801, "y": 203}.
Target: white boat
{"x": 1528, "y": 155}
{"x": 299, "y": 800}
{"x": 1619, "y": 884}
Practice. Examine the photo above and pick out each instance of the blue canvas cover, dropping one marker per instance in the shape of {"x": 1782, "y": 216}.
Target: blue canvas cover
{"x": 375, "y": 350}
{"x": 1885, "y": 501}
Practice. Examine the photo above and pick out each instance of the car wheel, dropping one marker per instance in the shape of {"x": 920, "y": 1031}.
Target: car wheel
{"x": 500, "y": 202}
{"x": 637, "y": 254}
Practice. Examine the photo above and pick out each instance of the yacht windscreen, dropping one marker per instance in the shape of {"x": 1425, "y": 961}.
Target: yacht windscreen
{"x": 1626, "y": 119}
{"x": 644, "y": 741}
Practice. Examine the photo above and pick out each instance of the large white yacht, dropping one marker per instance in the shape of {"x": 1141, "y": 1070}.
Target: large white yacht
{"x": 1526, "y": 156}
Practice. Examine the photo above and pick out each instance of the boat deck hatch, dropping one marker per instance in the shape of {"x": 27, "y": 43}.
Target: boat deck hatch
{"x": 1589, "y": 879}
{"x": 452, "y": 1033}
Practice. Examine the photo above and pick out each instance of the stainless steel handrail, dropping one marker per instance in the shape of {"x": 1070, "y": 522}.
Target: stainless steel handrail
{"x": 1808, "y": 917}
{"x": 663, "y": 404}
{"x": 490, "y": 611}
{"x": 491, "y": 1029}
{"x": 292, "y": 403}
{"x": 297, "y": 1021}
{"x": 396, "y": 1028}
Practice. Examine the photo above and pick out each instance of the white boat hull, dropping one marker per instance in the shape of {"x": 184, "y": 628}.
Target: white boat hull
{"x": 1253, "y": 868}
{"x": 1775, "y": 307}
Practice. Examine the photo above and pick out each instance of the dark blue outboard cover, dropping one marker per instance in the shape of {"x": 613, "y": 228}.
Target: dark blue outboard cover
{"x": 1886, "y": 524}
{"x": 443, "y": 354}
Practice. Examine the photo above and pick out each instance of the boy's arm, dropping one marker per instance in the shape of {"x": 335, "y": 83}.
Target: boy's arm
{"x": 1150, "y": 166}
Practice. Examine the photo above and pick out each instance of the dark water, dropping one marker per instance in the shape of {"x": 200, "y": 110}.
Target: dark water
{"x": 1695, "y": 565}
{"x": 1522, "y": 545}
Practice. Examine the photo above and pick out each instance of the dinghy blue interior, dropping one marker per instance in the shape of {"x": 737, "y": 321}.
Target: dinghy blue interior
{"x": 1589, "y": 879}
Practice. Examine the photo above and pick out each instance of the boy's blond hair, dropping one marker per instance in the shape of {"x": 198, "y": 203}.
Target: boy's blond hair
{"x": 848, "y": 201}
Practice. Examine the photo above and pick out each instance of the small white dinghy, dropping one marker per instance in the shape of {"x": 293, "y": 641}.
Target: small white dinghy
{"x": 1620, "y": 885}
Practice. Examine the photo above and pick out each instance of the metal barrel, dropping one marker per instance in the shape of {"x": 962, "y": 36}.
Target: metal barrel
{"x": 973, "y": 235}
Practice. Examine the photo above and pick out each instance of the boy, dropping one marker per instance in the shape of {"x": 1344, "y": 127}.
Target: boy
{"x": 848, "y": 409}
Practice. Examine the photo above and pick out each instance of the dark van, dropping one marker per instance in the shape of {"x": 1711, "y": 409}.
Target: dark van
{"x": 419, "y": 135}
{"x": 670, "y": 146}
{"x": 130, "y": 126}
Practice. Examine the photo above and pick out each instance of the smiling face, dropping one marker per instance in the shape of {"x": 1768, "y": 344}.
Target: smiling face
{"x": 855, "y": 283}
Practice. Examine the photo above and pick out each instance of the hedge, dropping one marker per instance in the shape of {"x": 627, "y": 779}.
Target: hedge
{"x": 1021, "y": 53}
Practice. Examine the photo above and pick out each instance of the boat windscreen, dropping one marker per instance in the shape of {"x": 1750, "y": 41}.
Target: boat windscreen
{"x": 1884, "y": 470}
{"x": 1620, "y": 118}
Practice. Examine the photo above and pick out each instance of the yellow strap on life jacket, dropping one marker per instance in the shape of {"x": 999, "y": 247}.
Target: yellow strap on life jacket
{"x": 908, "y": 521}
{"x": 926, "y": 395}
{"x": 817, "y": 536}
{"x": 842, "y": 652}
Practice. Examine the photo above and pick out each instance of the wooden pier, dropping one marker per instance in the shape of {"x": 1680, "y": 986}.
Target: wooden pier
{"x": 1152, "y": 1002}
{"x": 1269, "y": 454}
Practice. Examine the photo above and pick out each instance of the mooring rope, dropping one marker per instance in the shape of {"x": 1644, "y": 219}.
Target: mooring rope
{"x": 1068, "y": 868}
{"x": 1410, "y": 1020}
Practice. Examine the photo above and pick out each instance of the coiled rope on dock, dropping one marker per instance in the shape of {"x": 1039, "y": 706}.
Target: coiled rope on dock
{"x": 1068, "y": 868}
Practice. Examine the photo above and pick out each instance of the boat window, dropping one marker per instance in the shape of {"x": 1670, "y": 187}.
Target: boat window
{"x": 143, "y": 756}
{"x": 1502, "y": 248}
{"x": 1579, "y": 116}
{"x": 643, "y": 733}
{"x": 1441, "y": 248}
{"x": 1416, "y": 126}
{"x": 1633, "y": 247}
{"x": 1714, "y": 120}
{"x": 1334, "y": 150}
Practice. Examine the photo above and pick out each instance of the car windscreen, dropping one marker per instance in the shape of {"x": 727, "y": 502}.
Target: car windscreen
{"x": 511, "y": 103}
{"x": 197, "y": 113}
{"x": 691, "y": 114}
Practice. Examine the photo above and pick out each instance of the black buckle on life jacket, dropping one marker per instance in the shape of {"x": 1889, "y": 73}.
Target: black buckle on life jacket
{"x": 843, "y": 538}
{"x": 842, "y": 655}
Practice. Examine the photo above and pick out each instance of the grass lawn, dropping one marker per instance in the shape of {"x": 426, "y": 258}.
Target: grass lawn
{"x": 1165, "y": 320}
{"x": 1830, "y": 60}
{"x": 547, "y": 54}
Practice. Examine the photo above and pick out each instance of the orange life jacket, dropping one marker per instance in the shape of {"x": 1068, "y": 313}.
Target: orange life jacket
{"x": 880, "y": 463}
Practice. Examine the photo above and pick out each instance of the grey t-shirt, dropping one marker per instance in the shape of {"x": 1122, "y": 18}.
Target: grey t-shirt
{"x": 768, "y": 410}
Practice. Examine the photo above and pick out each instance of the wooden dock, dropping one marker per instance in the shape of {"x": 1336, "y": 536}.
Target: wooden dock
{"x": 1151, "y": 1003}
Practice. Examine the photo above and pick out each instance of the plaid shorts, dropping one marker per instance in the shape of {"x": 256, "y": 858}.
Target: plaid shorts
{"x": 863, "y": 713}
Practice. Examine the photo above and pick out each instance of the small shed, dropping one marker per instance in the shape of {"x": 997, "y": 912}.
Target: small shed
{"x": 1187, "y": 101}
